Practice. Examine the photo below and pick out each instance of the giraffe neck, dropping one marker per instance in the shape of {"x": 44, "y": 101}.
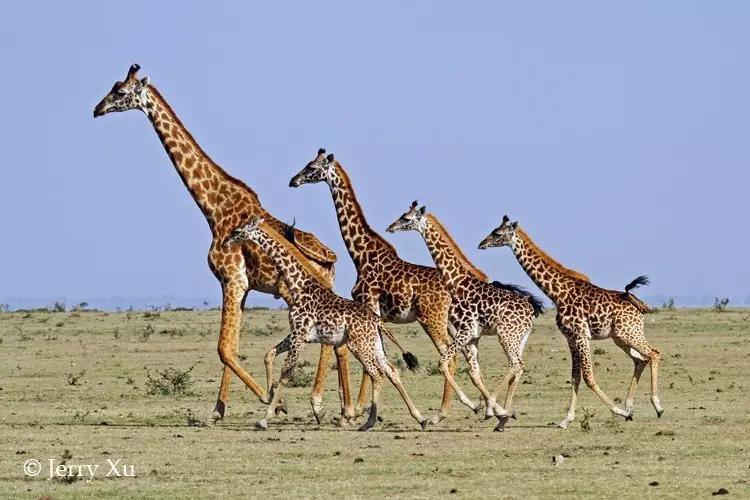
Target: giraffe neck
{"x": 288, "y": 264}
{"x": 546, "y": 273}
{"x": 359, "y": 237}
{"x": 215, "y": 192}
{"x": 446, "y": 260}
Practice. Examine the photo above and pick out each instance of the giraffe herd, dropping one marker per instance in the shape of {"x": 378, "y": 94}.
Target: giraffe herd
{"x": 454, "y": 302}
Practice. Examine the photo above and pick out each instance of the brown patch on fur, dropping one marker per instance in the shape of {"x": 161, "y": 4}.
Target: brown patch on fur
{"x": 318, "y": 275}
{"x": 154, "y": 93}
{"x": 457, "y": 250}
{"x": 367, "y": 227}
{"x": 552, "y": 262}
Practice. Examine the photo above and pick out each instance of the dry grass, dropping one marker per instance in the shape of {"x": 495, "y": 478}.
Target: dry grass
{"x": 699, "y": 446}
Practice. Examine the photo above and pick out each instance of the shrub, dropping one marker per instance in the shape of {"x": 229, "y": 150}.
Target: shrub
{"x": 720, "y": 305}
{"x": 59, "y": 306}
{"x": 169, "y": 381}
{"x": 73, "y": 378}
{"x": 300, "y": 378}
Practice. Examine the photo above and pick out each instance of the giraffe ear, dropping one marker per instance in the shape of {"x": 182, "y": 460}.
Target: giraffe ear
{"x": 514, "y": 225}
{"x": 329, "y": 158}
{"x": 145, "y": 81}
{"x": 422, "y": 210}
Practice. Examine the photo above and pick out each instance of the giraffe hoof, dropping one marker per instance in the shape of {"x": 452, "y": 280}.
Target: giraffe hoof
{"x": 365, "y": 427}
{"x": 281, "y": 408}
{"x": 659, "y": 413}
{"x": 261, "y": 424}
{"x": 629, "y": 417}
{"x": 513, "y": 414}
{"x": 563, "y": 424}
{"x": 501, "y": 424}
{"x": 425, "y": 422}
{"x": 319, "y": 415}
{"x": 213, "y": 419}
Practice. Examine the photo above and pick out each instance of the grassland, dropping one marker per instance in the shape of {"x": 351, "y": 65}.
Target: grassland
{"x": 80, "y": 382}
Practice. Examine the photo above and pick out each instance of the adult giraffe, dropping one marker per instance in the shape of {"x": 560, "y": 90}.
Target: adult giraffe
{"x": 226, "y": 202}
{"x": 397, "y": 290}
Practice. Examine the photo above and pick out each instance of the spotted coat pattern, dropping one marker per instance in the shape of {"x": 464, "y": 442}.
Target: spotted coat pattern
{"x": 399, "y": 291}
{"x": 585, "y": 312}
{"x": 319, "y": 315}
{"x": 478, "y": 308}
{"x": 226, "y": 202}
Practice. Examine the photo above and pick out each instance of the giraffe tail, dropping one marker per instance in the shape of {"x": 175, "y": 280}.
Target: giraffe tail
{"x": 638, "y": 303}
{"x": 536, "y": 302}
{"x": 411, "y": 360}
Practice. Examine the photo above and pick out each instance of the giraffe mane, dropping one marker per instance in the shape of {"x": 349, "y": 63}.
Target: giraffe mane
{"x": 316, "y": 274}
{"x": 345, "y": 179}
{"x": 549, "y": 260}
{"x": 468, "y": 266}
{"x": 189, "y": 137}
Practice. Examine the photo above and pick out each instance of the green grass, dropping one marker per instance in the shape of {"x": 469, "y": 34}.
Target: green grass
{"x": 700, "y": 445}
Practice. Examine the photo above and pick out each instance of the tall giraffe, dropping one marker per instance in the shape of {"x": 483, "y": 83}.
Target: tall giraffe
{"x": 399, "y": 291}
{"x": 585, "y": 312}
{"x": 225, "y": 203}
{"x": 319, "y": 315}
{"x": 478, "y": 308}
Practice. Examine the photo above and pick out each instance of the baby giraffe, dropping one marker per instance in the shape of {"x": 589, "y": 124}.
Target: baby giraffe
{"x": 585, "y": 312}
{"x": 478, "y": 308}
{"x": 319, "y": 315}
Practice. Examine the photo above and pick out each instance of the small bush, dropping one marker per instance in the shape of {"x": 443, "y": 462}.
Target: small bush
{"x": 720, "y": 305}
{"x": 59, "y": 307}
{"x": 73, "y": 378}
{"x": 146, "y": 333}
{"x": 668, "y": 305}
{"x": 599, "y": 351}
{"x": 300, "y": 378}
{"x": 4, "y": 308}
{"x": 169, "y": 381}
{"x": 588, "y": 416}
{"x": 433, "y": 369}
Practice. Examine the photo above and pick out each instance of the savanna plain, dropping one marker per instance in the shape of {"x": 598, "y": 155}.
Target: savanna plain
{"x": 83, "y": 387}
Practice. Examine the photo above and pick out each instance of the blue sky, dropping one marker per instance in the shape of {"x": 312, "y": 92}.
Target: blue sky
{"x": 616, "y": 134}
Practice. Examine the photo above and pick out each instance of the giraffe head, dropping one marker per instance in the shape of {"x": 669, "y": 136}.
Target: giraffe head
{"x": 246, "y": 232}
{"x": 125, "y": 95}
{"x": 501, "y": 236}
{"x": 412, "y": 220}
{"x": 316, "y": 171}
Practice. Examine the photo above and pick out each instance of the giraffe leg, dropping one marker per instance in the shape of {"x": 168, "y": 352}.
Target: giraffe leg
{"x": 587, "y": 370}
{"x": 226, "y": 374}
{"x": 575, "y": 380}
{"x": 513, "y": 351}
{"x": 392, "y": 373}
{"x": 639, "y": 366}
{"x": 316, "y": 397}
{"x": 363, "y": 386}
{"x": 642, "y": 353}
{"x": 435, "y": 327}
{"x": 231, "y": 318}
{"x": 345, "y": 395}
{"x": 471, "y": 353}
{"x": 377, "y": 382}
{"x": 461, "y": 339}
{"x": 295, "y": 350}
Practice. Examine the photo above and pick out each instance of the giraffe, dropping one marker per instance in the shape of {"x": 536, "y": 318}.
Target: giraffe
{"x": 478, "y": 308}
{"x": 586, "y": 312}
{"x": 226, "y": 202}
{"x": 399, "y": 291}
{"x": 317, "y": 314}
